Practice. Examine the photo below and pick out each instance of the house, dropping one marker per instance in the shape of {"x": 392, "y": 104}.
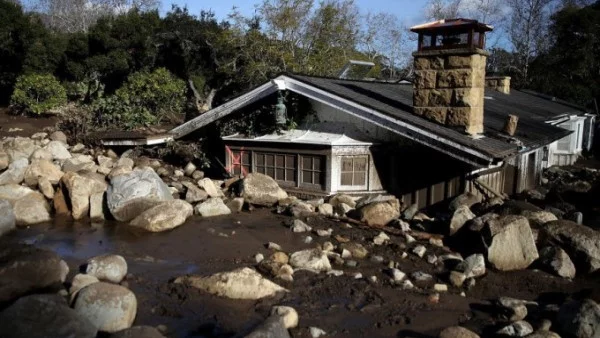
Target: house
{"x": 428, "y": 141}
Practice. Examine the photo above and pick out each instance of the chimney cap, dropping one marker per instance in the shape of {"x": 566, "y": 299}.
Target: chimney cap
{"x": 448, "y": 24}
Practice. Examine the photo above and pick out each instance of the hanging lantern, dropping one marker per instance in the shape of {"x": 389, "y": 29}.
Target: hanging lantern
{"x": 280, "y": 110}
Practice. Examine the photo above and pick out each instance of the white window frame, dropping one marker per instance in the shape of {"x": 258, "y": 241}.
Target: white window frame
{"x": 367, "y": 173}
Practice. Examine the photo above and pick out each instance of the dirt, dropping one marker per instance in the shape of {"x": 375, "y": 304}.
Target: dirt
{"x": 23, "y": 125}
{"x": 342, "y": 306}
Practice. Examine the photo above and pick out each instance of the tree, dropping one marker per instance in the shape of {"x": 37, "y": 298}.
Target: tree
{"x": 384, "y": 41}
{"x": 442, "y": 9}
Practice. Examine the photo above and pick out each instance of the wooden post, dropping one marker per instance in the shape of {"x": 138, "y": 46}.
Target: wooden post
{"x": 510, "y": 127}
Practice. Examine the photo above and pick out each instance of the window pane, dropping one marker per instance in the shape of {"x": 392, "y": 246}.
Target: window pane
{"x": 360, "y": 164}
{"x": 260, "y": 159}
{"x": 280, "y": 174}
{"x": 271, "y": 172}
{"x": 246, "y": 158}
{"x": 290, "y": 161}
{"x": 290, "y": 175}
{"x": 280, "y": 161}
{"x": 246, "y": 169}
{"x": 346, "y": 164}
{"x": 360, "y": 178}
{"x": 317, "y": 178}
{"x": 306, "y": 162}
{"x": 346, "y": 179}
{"x": 307, "y": 176}
{"x": 236, "y": 170}
{"x": 316, "y": 163}
{"x": 270, "y": 160}
{"x": 260, "y": 170}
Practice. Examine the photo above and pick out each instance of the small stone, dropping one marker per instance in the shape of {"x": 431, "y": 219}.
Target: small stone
{"x": 376, "y": 259}
{"x": 357, "y": 250}
{"x": 198, "y": 175}
{"x": 409, "y": 238}
{"x": 419, "y": 250}
{"x": 434, "y": 298}
{"x": 298, "y": 226}
{"x": 324, "y": 233}
{"x": 308, "y": 240}
{"x": 472, "y": 266}
{"x": 358, "y": 275}
{"x": 189, "y": 169}
{"x": 517, "y": 329}
{"x": 336, "y": 273}
{"x": 259, "y": 258}
{"x": 436, "y": 242}
{"x": 288, "y": 314}
{"x": 440, "y": 287}
{"x": 407, "y": 285}
{"x": 396, "y": 275}
{"x": 432, "y": 259}
{"x": 373, "y": 279}
{"x": 328, "y": 246}
{"x": 351, "y": 263}
{"x": 346, "y": 254}
{"x": 457, "y": 278}
{"x": 381, "y": 238}
{"x": 457, "y": 332}
{"x": 273, "y": 246}
{"x": 315, "y": 332}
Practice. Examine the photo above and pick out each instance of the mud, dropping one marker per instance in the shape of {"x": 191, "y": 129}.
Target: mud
{"x": 342, "y": 306}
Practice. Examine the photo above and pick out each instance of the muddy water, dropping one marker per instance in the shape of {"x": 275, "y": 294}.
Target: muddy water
{"x": 342, "y": 306}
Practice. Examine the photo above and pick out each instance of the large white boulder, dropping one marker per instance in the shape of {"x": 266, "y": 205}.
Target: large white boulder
{"x": 462, "y": 214}
{"x": 109, "y": 307}
{"x": 557, "y": 261}
{"x": 80, "y": 187}
{"x": 14, "y": 192}
{"x": 580, "y": 242}
{"x": 212, "y": 207}
{"x": 15, "y": 172}
{"x": 8, "y": 220}
{"x": 379, "y": 213}
{"x": 311, "y": 259}
{"x": 130, "y": 194}
{"x": 209, "y": 187}
{"x": 79, "y": 162}
{"x": 165, "y": 216}
{"x": 42, "y": 168}
{"x": 244, "y": 283}
{"x": 512, "y": 243}
{"x": 32, "y": 209}
{"x": 19, "y": 147}
{"x": 58, "y": 150}
{"x": 262, "y": 190}
{"x": 111, "y": 268}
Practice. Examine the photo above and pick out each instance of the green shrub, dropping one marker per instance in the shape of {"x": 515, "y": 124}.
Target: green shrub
{"x": 38, "y": 93}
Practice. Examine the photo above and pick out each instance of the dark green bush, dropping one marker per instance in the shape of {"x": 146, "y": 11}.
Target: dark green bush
{"x": 38, "y": 93}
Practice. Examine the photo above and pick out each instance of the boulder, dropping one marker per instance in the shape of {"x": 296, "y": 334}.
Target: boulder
{"x": 288, "y": 314}
{"x": 580, "y": 319}
{"x": 109, "y": 307}
{"x": 467, "y": 199}
{"x": 58, "y": 150}
{"x": 236, "y": 204}
{"x": 80, "y": 188}
{"x": 4, "y": 160}
{"x": 517, "y": 329}
{"x": 42, "y": 168}
{"x": 97, "y": 206}
{"x": 46, "y": 188}
{"x": 539, "y": 218}
{"x": 138, "y": 332}
{"x": 356, "y": 249}
{"x": 165, "y": 216}
{"x": 119, "y": 170}
{"x": 580, "y": 242}
{"x": 193, "y": 193}
{"x": 244, "y": 283}
{"x": 25, "y": 269}
{"x": 110, "y": 268}
{"x": 80, "y": 281}
{"x": 189, "y": 169}
{"x": 41, "y": 154}
{"x": 14, "y": 192}
{"x": 79, "y": 162}
{"x": 58, "y": 136}
{"x": 262, "y": 190}
{"x": 8, "y": 221}
{"x": 410, "y": 212}
{"x": 19, "y": 148}
{"x": 299, "y": 209}
{"x": 42, "y": 316}
{"x": 513, "y": 309}
{"x": 130, "y": 194}
{"x": 379, "y": 214}
{"x": 213, "y": 207}
{"x": 272, "y": 327}
{"x": 15, "y": 172}
{"x": 512, "y": 244}
{"x": 457, "y": 332}
{"x": 341, "y": 198}
{"x": 32, "y": 209}
{"x": 473, "y": 266}
{"x": 325, "y": 209}
{"x": 299, "y": 226}
{"x": 462, "y": 214}
{"x": 311, "y": 259}
{"x": 209, "y": 187}
{"x": 557, "y": 261}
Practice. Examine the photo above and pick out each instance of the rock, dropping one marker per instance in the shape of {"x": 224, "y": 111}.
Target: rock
{"x": 97, "y": 206}
{"x": 80, "y": 187}
{"x": 79, "y": 162}
{"x": 328, "y": 246}
{"x": 259, "y": 258}
{"x": 243, "y": 283}
{"x": 543, "y": 334}
{"x": 193, "y": 193}
{"x": 262, "y": 190}
{"x": 516, "y": 329}
{"x": 556, "y": 261}
{"x": 410, "y": 212}
{"x": 118, "y": 170}
{"x": 315, "y": 332}
{"x": 15, "y": 172}
{"x": 42, "y": 168}
{"x": 274, "y": 246}
{"x": 272, "y": 327}
{"x": 440, "y": 287}
{"x": 109, "y": 307}
{"x": 356, "y": 249}
{"x": 189, "y": 169}
{"x": 288, "y": 314}
{"x": 4, "y": 160}
{"x": 341, "y": 198}
{"x": 25, "y": 269}
{"x": 32, "y": 209}
{"x": 41, "y": 154}
{"x": 236, "y": 204}
{"x": 207, "y": 185}
{"x": 165, "y": 216}
{"x": 539, "y": 218}
{"x": 381, "y": 238}
{"x": 58, "y": 150}
{"x": 465, "y": 200}
{"x": 299, "y": 209}
{"x": 462, "y": 215}
{"x": 79, "y": 148}
{"x": 580, "y": 319}
{"x": 46, "y": 188}
{"x": 325, "y": 209}
{"x": 512, "y": 243}
{"x": 457, "y": 278}
{"x": 396, "y": 274}
{"x": 130, "y": 194}
{"x": 324, "y": 233}
{"x": 126, "y": 162}
{"x": 298, "y": 226}
{"x": 213, "y": 207}
{"x": 111, "y": 268}
{"x": 473, "y": 266}
{"x": 379, "y": 214}
{"x": 419, "y": 250}
{"x": 279, "y": 257}
{"x": 310, "y": 259}
{"x": 342, "y": 209}
{"x": 421, "y": 278}
{"x": 80, "y": 281}
{"x": 198, "y": 175}
{"x": 138, "y": 332}
{"x": 513, "y": 309}
{"x": 14, "y": 192}
{"x": 58, "y": 136}
{"x": 457, "y": 332}
{"x": 41, "y": 316}
{"x": 580, "y": 242}
{"x": 19, "y": 148}
{"x": 8, "y": 220}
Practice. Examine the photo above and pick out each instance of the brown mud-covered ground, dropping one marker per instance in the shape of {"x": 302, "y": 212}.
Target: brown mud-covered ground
{"x": 24, "y": 125}
{"x": 342, "y": 306}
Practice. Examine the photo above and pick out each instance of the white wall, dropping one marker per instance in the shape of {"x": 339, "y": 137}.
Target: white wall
{"x": 566, "y": 150}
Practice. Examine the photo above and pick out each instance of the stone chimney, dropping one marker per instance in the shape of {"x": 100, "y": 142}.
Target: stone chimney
{"x": 450, "y": 73}
{"x": 498, "y": 83}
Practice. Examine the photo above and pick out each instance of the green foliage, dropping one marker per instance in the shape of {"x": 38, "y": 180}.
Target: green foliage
{"x": 38, "y": 93}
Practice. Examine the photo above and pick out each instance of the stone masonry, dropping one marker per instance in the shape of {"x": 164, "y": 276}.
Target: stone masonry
{"x": 498, "y": 83}
{"x": 449, "y": 87}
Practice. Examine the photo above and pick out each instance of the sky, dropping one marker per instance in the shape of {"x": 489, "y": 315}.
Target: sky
{"x": 409, "y": 11}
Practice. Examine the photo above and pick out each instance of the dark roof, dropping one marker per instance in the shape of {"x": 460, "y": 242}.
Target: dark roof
{"x": 395, "y": 100}
{"x": 451, "y": 24}
{"x": 530, "y": 104}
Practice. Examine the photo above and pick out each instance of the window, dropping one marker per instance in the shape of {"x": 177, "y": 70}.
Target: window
{"x": 240, "y": 162}
{"x": 564, "y": 144}
{"x": 354, "y": 171}
{"x": 281, "y": 167}
{"x": 312, "y": 170}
